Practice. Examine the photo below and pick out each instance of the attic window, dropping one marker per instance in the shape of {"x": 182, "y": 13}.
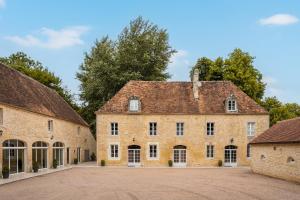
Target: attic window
{"x": 134, "y": 104}
{"x": 231, "y": 104}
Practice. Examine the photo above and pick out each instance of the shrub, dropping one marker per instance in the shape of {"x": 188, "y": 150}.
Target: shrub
{"x": 220, "y": 163}
{"x": 5, "y": 172}
{"x": 93, "y": 157}
{"x": 35, "y": 166}
{"x": 75, "y": 161}
{"x": 54, "y": 163}
{"x": 170, "y": 162}
{"x": 102, "y": 163}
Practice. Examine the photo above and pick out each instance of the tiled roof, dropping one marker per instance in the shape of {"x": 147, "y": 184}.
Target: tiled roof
{"x": 287, "y": 131}
{"x": 158, "y": 97}
{"x": 19, "y": 90}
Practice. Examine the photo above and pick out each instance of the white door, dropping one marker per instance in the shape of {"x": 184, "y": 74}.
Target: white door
{"x": 134, "y": 159}
{"x": 179, "y": 158}
{"x": 230, "y": 156}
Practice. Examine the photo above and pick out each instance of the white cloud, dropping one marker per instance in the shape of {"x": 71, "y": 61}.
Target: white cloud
{"x": 52, "y": 39}
{"x": 272, "y": 88}
{"x": 179, "y": 58}
{"x": 2, "y": 3}
{"x": 179, "y": 66}
{"x": 279, "y": 19}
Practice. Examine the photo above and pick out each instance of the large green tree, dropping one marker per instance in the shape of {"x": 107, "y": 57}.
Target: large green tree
{"x": 238, "y": 68}
{"x": 23, "y": 63}
{"x": 141, "y": 52}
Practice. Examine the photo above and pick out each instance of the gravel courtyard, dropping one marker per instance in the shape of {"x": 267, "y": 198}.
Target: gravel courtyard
{"x": 151, "y": 183}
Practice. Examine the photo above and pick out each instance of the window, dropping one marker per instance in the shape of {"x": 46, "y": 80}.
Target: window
{"x": 210, "y": 151}
{"x": 152, "y": 151}
{"x": 231, "y": 103}
{"x": 134, "y": 105}
{"x": 114, "y": 129}
{"x": 114, "y": 151}
{"x": 210, "y": 128}
{"x": 248, "y": 151}
{"x": 1, "y": 116}
{"x": 50, "y": 125}
{"x": 251, "y": 128}
{"x": 78, "y": 130}
{"x": 179, "y": 128}
{"x": 152, "y": 128}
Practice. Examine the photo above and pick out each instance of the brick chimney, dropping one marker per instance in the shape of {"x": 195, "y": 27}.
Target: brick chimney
{"x": 196, "y": 83}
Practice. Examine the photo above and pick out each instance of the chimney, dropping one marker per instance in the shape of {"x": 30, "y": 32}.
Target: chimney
{"x": 196, "y": 83}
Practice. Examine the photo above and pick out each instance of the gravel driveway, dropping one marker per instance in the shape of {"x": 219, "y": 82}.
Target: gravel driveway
{"x": 161, "y": 183}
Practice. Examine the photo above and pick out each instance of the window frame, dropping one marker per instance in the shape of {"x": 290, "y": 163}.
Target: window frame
{"x": 114, "y": 128}
{"x": 252, "y": 129}
{"x": 210, "y": 151}
{"x": 152, "y": 128}
{"x": 149, "y": 157}
{"x": 116, "y": 151}
{"x": 179, "y": 128}
{"x": 210, "y": 128}
{"x": 50, "y": 125}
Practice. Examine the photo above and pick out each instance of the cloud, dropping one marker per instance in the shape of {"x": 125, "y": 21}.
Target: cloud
{"x": 179, "y": 58}
{"x": 279, "y": 19}
{"x": 272, "y": 88}
{"x": 52, "y": 39}
{"x": 179, "y": 66}
{"x": 2, "y": 3}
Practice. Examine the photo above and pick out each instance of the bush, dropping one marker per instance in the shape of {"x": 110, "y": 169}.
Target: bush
{"x": 35, "y": 166}
{"x": 170, "y": 162}
{"x": 102, "y": 163}
{"x": 93, "y": 157}
{"x": 54, "y": 163}
{"x": 220, "y": 163}
{"x": 75, "y": 161}
{"x": 5, "y": 172}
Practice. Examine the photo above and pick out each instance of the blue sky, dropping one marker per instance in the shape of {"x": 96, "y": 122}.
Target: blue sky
{"x": 58, "y": 33}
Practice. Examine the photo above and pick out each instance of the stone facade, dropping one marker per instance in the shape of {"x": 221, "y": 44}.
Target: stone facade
{"x": 277, "y": 160}
{"x": 133, "y": 129}
{"x": 30, "y": 127}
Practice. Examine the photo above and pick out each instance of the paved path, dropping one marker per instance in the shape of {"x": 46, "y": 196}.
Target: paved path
{"x": 142, "y": 183}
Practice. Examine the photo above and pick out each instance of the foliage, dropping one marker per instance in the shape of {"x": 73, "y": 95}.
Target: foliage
{"x": 102, "y": 163}
{"x": 35, "y": 166}
{"x": 5, "y": 172}
{"x": 55, "y": 163}
{"x": 141, "y": 52}
{"x": 75, "y": 161}
{"x": 34, "y": 69}
{"x": 170, "y": 163}
{"x": 93, "y": 157}
{"x": 220, "y": 163}
{"x": 238, "y": 68}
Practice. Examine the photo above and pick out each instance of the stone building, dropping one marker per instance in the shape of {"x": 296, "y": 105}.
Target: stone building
{"x": 198, "y": 123}
{"x": 36, "y": 124}
{"x": 276, "y": 152}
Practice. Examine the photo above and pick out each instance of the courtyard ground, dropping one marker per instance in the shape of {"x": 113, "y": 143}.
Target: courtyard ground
{"x": 86, "y": 183}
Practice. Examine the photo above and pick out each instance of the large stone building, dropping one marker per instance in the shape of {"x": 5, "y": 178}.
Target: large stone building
{"x": 148, "y": 123}
{"x": 276, "y": 152}
{"x": 36, "y": 124}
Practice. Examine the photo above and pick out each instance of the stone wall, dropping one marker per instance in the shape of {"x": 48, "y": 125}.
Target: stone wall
{"x": 134, "y": 129}
{"x": 275, "y": 160}
{"x": 31, "y": 127}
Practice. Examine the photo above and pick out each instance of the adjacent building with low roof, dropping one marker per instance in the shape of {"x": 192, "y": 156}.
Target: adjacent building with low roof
{"x": 37, "y": 125}
{"x": 276, "y": 152}
{"x": 198, "y": 123}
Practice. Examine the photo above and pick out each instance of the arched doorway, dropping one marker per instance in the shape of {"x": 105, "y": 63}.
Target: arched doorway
{"x": 14, "y": 156}
{"x": 179, "y": 156}
{"x": 39, "y": 154}
{"x": 134, "y": 156}
{"x": 230, "y": 156}
{"x": 58, "y": 153}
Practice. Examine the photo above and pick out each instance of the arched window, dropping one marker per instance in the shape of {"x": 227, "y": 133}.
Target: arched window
{"x": 58, "y": 153}
{"x": 231, "y": 104}
{"x": 134, "y": 104}
{"x": 39, "y": 154}
{"x": 14, "y": 155}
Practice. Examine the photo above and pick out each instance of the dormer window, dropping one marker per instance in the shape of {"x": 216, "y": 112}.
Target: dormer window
{"x": 231, "y": 104}
{"x": 134, "y": 104}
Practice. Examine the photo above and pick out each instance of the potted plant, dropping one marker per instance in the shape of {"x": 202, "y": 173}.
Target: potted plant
{"x": 75, "y": 161}
{"x": 220, "y": 163}
{"x": 170, "y": 163}
{"x": 54, "y": 163}
{"x": 102, "y": 163}
{"x": 5, "y": 172}
{"x": 35, "y": 166}
{"x": 93, "y": 157}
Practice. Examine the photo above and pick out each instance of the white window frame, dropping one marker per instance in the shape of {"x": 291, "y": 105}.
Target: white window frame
{"x": 109, "y": 151}
{"x": 210, "y": 128}
{"x": 134, "y": 105}
{"x": 1, "y": 116}
{"x": 114, "y": 128}
{"x": 50, "y": 125}
{"x": 210, "y": 151}
{"x": 179, "y": 128}
{"x": 157, "y": 151}
{"x": 152, "y": 128}
{"x": 230, "y": 106}
{"x": 251, "y": 126}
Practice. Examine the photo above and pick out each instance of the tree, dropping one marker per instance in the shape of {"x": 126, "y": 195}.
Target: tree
{"x": 141, "y": 52}
{"x": 238, "y": 68}
{"x": 34, "y": 69}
